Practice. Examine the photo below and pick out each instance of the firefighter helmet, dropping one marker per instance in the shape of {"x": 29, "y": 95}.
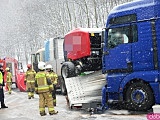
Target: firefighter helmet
{"x": 49, "y": 66}
{"x": 41, "y": 65}
{"x": 7, "y": 68}
{"x": 29, "y": 66}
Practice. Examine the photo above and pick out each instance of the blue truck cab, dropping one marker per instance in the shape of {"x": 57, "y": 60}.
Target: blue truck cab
{"x": 131, "y": 55}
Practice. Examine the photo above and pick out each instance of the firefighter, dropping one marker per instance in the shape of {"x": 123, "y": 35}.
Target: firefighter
{"x": 54, "y": 77}
{"x": 30, "y": 81}
{"x": 1, "y": 87}
{"x": 44, "y": 87}
{"x": 9, "y": 80}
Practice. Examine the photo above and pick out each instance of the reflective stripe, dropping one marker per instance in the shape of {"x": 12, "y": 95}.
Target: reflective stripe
{"x": 50, "y": 86}
{"x": 41, "y": 109}
{"x": 29, "y": 94}
{"x": 43, "y": 87}
{"x": 50, "y": 109}
{"x": 1, "y": 78}
{"x": 40, "y": 75}
{"x": 45, "y": 81}
{"x": 31, "y": 81}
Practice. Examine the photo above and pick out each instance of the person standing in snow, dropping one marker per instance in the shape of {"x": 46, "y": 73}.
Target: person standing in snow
{"x": 44, "y": 87}
{"x": 9, "y": 80}
{"x": 1, "y": 87}
{"x": 30, "y": 81}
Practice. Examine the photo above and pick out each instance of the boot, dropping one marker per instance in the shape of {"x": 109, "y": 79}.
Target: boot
{"x": 29, "y": 97}
{"x": 3, "y": 105}
{"x": 53, "y": 112}
{"x": 54, "y": 103}
{"x": 43, "y": 113}
{"x": 32, "y": 96}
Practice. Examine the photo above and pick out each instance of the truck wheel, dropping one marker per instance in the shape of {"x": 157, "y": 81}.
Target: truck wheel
{"x": 139, "y": 97}
{"x": 68, "y": 70}
{"x": 63, "y": 88}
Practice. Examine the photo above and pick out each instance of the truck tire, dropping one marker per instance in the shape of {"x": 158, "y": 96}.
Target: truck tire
{"x": 63, "y": 88}
{"x": 68, "y": 70}
{"x": 139, "y": 97}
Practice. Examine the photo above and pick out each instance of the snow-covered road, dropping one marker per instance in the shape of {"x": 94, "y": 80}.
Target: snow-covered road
{"x": 21, "y": 108}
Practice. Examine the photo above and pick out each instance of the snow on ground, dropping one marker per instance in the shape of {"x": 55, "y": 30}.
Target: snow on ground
{"x": 21, "y": 108}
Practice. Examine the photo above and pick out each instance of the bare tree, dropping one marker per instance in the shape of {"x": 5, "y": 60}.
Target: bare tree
{"x": 26, "y": 24}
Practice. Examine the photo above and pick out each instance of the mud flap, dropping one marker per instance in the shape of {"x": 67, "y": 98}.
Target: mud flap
{"x": 86, "y": 89}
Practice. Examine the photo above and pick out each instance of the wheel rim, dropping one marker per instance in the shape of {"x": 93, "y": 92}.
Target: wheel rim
{"x": 138, "y": 96}
{"x": 77, "y": 71}
{"x": 65, "y": 72}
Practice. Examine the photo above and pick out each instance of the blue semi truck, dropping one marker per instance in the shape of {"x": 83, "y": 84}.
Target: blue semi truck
{"x": 131, "y": 55}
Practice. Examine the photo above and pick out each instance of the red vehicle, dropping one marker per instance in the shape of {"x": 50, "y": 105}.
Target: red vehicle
{"x": 82, "y": 49}
{"x": 12, "y": 64}
{"x": 82, "y": 53}
{"x": 17, "y": 76}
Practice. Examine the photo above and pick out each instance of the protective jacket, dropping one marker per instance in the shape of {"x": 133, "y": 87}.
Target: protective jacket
{"x": 1, "y": 78}
{"x": 53, "y": 77}
{"x": 42, "y": 84}
{"x": 30, "y": 76}
{"x": 9, "y": 77}
{"x": 1, "y": 90}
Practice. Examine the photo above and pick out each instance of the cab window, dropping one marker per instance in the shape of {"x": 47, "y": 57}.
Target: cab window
{"x": 121, "y": 35}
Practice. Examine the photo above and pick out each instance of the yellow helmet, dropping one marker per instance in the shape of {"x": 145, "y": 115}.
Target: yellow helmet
{"x": 7, "y": 68}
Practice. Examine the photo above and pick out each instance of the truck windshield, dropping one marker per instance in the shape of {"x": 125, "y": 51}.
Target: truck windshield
{"x": 117, "y": 36}
{"x": 121, "y": 35}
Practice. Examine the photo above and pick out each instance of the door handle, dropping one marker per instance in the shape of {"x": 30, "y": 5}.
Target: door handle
{"x": 106, "y": 53}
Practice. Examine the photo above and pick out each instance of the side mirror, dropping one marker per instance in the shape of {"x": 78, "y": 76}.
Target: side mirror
{"x": 103, "y": 35}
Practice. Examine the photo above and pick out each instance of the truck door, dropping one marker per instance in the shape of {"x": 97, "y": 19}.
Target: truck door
{"x": 34, "y": 62}
{"x": 118, "y": 49}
